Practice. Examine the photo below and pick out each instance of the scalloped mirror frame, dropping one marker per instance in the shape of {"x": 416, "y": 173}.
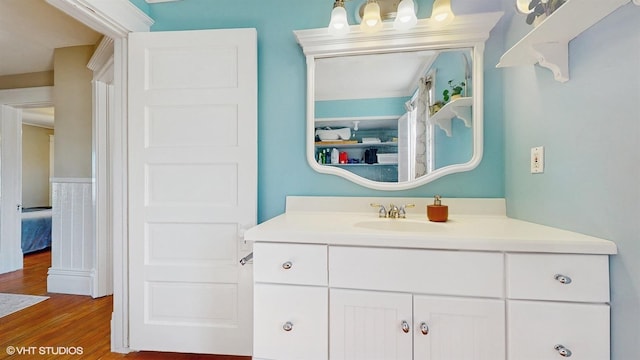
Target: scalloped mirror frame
{"x": 466, "y": 31}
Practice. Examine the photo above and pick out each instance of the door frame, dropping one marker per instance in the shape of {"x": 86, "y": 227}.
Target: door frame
{"x": 17, "y": 99}
{"x": 115, "y": 19}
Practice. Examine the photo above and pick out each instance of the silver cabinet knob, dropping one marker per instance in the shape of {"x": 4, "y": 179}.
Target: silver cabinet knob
{"x": 562, "y": 278}
{"x": 288, "y": 326}
{"x": 424, "y": 328}
{"x": 287, "y": 265}
{"x": 563, "y": 351}
{"x": 405, "y": 327}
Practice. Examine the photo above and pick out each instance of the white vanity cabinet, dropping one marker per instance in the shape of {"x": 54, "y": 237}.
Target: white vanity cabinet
{"x": 474, "y": 288}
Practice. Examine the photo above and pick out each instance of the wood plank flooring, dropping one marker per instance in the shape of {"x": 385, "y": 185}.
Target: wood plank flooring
{"x": 64, "y": 321}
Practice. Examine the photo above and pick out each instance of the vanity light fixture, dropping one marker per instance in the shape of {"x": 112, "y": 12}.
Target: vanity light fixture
{"x": 371, "y": 20}
{"x": 338, "y": 24}
{"x": 406, "y": 17}
{"x": 442, "y": 12}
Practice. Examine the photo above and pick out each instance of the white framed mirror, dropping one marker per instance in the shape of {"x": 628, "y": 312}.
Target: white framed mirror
{"x": 375, "y": 101}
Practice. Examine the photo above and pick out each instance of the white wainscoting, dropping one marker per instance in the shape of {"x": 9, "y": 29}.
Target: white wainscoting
{"x": 72, "y": 249}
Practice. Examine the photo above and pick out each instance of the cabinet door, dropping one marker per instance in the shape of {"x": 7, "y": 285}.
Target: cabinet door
{"x": 541, "y": 330}
{"x": 290, "y": 322}
{"x": 447, "y": 328}
{"x": 367, "y": 325}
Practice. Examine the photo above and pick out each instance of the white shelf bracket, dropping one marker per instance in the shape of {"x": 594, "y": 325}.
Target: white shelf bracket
{"x": 463, "y": 113}
{"x": 445, "y": 126}
{"x": 555, "y": 57}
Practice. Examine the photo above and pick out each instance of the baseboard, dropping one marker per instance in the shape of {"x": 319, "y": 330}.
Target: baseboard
{"x": 69, "y": 281}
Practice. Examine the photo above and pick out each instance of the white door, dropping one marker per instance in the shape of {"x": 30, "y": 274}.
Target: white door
{"x": 368, "y": 325}
{"x": 10, "y": 188}
{"x": 192, "y": 189}
{"x": 448, "y": 328}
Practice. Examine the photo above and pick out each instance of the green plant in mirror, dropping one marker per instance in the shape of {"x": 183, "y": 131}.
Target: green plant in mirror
{"x": 456, "y": 89}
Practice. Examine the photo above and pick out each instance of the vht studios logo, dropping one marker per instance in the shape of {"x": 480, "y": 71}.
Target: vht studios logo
{"x": 44, "y": 350}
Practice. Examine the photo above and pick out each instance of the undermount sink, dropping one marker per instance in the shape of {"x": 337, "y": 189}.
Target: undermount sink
{"x": 399, "y": 225}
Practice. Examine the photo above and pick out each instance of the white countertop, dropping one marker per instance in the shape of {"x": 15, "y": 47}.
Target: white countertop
{"x": 488, "y": 231}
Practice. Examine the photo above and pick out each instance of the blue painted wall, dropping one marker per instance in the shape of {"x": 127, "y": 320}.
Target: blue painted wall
{"x": 283, "y": 168}
{"x": 590, "y": 128}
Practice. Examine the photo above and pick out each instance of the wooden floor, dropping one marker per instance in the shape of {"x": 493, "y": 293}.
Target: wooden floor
{"x": 64, "y": 321}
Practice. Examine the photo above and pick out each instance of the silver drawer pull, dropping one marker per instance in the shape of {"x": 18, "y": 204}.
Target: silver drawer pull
{"x": 424, "y": 328}
{"x": 405, "y": 327}
{"x": 563, "y": 351}
{"x": 288, "y": 326}
{"x": 562, "y": 278}
{"x": 287, "y": 265}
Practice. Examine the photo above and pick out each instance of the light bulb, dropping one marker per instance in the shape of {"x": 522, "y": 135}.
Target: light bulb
{"x": 442, "y": 11}
{"x": 338, "y": 24}
{"x": 406, "y": 15}
{"x": 371, "y": 20}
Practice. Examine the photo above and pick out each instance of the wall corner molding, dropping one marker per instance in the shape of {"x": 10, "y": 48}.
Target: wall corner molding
{"x": 114, "y": 18}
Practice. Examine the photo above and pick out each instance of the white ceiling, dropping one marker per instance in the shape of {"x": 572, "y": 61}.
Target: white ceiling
{"x": 371, "y": 76}
{"x": 30, "y": 30}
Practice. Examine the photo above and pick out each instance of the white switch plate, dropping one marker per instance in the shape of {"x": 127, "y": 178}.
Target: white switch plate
{"x": 537, "y": 159}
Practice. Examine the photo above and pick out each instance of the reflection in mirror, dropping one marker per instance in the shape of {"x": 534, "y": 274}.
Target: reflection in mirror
{"x": 394, "y": 117}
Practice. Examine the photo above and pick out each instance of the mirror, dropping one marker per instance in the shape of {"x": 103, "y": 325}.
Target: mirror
{"x": 377, "y": 110}
{"x": 387, "y": 108}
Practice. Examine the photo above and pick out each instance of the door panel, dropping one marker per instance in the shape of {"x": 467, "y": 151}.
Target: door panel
{"x": 458, "y": 328}
{"x": 192, "y": 189}
{"x": 367, "y": 325}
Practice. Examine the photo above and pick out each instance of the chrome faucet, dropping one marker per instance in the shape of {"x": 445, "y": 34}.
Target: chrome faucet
{"x": 394, "y": 211}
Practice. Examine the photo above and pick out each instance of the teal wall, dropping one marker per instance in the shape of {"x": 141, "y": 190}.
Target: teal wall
{"x": 361, "y": 107}
{"x": 281, "y": 100}
{"x": 590, "y": 130}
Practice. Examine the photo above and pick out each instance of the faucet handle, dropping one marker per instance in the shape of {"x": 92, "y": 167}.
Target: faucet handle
{"x": 402, "y": 211}
{"x": 382, "y": 212}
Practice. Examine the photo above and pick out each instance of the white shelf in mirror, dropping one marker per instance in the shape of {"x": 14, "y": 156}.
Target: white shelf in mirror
{"x": 548, "y": 43}
{"x": 364, "y": 122}
{"x": 458, "y": 108}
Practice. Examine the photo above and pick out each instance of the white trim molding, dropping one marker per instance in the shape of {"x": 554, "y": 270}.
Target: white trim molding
{"x": 113, "y": 18}
{"x": 27, "y": 97}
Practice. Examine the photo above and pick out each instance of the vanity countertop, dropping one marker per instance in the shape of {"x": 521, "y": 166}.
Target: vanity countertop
{"x": 474, "y": 224}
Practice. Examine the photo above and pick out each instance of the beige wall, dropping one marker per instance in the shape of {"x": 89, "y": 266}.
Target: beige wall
{"x": 37, "y": 79}
{"x": 72, "y": 101}
{"x": 35, "y": 166}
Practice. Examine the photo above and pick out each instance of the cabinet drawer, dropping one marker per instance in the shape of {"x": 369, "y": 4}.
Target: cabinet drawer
{"x": 535, "y": 328}
{"x": 290, "y": 322}
{"x": 290, "y": 263}
{"x": 558, "y": 277}
{"x": 418, "y": 271}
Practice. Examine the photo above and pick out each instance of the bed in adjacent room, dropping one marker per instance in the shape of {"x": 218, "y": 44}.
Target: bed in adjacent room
{"x": 36, "y": 229}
